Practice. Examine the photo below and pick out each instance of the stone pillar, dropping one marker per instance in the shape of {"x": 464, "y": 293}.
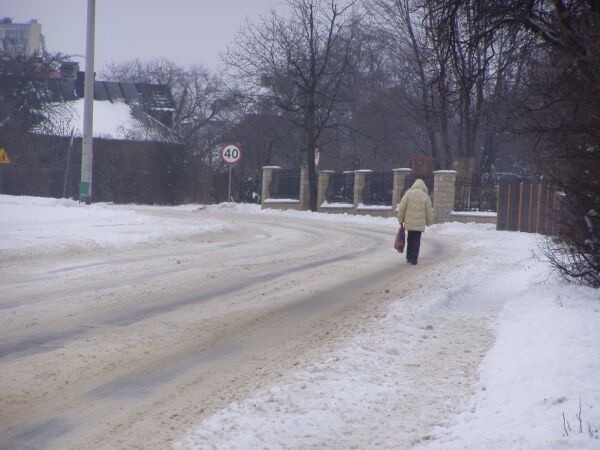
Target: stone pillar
{"x": 359, "y": 185}
{"x": 399, "y": 179}
{"x": 304, "y": 189}
{"x": 324, "y": 176}
{"x": 266, "y": 182}
{"x": 443, "y": 195}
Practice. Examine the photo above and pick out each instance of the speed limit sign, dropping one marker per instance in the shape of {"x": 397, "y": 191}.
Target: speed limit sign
{"x": 231, "y": 154}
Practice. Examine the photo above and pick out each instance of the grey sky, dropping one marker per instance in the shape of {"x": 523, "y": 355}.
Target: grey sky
{"x": 186, "y": 31}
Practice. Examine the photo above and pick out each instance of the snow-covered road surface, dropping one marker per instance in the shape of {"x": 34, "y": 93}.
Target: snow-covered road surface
{"x": 228, "y": 327}
{"x": 124, "y": 348}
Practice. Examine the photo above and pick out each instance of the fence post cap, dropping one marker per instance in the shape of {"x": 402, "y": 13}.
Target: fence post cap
{"x": 445, "y": 171}
{"x": 271, "y": 167}
{"x": 363, "y": 171}
{"x": 403, "y": 169}
{"x": 326, "y": 171}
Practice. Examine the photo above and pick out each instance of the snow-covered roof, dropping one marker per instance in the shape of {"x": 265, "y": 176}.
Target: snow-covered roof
{"x": 151, "y": 96}
{"x": 110, "y": 120}
{"x": 62, "y": 105}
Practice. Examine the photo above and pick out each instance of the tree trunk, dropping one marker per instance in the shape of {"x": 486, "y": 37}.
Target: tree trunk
{"x": 310, "y": 155}
{"x": 424, "y": 89}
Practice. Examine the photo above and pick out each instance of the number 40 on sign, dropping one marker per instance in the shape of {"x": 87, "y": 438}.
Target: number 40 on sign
{"x": 231, "y": 154}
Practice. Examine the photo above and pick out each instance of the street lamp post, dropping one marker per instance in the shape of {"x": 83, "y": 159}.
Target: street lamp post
{"x": 85, "y": 186}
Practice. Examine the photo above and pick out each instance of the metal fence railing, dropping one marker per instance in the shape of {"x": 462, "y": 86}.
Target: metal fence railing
{"x": 285, "y": 183}
{"x": 476, "y": 196}
{"x": 379, "y": 188}
{"x": 340, "y": 188}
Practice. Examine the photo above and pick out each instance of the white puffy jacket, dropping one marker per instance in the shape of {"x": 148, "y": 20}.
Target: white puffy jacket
{"x": 415, "y": 208}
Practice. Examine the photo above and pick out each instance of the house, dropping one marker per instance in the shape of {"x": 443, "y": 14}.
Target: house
{"x": 20, "y": 39}
{"x": 129, "y": 165}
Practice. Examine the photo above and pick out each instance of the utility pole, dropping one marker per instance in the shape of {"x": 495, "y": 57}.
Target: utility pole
{"x": 87, "y": 150}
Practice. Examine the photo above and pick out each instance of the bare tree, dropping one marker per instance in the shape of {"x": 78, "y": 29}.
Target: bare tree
{"x": 300, "y": 60}
{"x": 369, "y": 124}
{"x": 202, "y": 115}
{"x": 402, "y": 23}
{"x": 200, "y": 97}
{"x": 562, "y": 119}
{"x": 559, "y": 106}
{"x": 24, "y": 91}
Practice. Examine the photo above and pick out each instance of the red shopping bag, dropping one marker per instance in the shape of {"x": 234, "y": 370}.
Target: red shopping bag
{"x": 400, "y": 240}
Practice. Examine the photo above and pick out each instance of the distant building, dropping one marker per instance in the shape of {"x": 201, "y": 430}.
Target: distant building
{"x": 20, "y": 39}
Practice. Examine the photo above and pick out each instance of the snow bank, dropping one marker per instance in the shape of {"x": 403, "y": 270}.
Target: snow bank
{"x": 545, "y": 361}
{"x": 35, "y": 226}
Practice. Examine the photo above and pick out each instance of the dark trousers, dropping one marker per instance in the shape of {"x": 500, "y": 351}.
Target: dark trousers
{"x": 413, "y": 245}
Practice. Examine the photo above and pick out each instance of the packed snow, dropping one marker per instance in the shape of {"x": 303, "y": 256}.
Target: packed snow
{"x": 538, "y": 383}
{"x": 37, "y": 226}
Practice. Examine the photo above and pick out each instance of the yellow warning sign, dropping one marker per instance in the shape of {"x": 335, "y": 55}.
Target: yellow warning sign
{"x": 4, "y": 159}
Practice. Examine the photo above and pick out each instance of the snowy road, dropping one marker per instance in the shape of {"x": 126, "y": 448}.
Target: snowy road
{"x": 228, "y": 327}
{"x": 129, "y": 348}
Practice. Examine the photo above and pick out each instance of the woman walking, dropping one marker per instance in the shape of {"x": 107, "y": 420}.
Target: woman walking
{"x": 415, "y": 212}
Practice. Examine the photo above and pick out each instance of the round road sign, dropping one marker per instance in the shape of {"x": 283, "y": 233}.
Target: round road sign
{"x": 231, "y": 154}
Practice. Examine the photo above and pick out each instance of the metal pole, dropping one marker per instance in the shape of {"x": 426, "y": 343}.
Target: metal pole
{"x": 85, "y": 186}
{"x": 229, "y": 196}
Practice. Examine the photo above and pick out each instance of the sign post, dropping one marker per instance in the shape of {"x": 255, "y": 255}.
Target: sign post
{"x": 230, "y": 155}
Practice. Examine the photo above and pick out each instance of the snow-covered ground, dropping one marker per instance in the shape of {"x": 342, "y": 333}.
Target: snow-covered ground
{"x": 538, "y": 384}
{"x": 36, "y": 226}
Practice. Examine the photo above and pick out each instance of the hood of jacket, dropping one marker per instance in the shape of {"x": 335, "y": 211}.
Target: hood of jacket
{"x": 420, "y": 184}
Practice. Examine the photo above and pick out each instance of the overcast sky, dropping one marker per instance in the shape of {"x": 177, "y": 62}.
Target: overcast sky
{"x": 186, "y": 31}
